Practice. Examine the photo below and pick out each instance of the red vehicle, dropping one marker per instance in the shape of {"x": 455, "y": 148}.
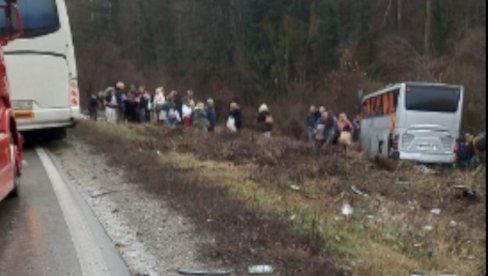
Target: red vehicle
{"x": 10, "y": 139}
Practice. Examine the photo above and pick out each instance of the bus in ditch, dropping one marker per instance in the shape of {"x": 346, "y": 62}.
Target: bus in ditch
{"x": 42, "y": 69}
{"x": 415, "y": 121}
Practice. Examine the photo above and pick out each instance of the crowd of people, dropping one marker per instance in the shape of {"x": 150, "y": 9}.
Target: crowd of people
{"x": 138, "y": 105}
{"x": 325, "y": 128}
{"x": 469, "y": 151}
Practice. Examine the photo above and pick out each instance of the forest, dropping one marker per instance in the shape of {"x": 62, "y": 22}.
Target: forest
{"x": 287, "y": 53}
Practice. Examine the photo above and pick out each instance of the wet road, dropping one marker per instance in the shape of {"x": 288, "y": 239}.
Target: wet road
{"x": 49, "y": 230}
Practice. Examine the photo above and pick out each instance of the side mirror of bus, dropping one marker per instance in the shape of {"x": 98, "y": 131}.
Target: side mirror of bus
{"x": 10, "y": 23}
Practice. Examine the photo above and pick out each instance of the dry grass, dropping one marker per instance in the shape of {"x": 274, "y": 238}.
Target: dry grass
{"x": 383, "y": 237}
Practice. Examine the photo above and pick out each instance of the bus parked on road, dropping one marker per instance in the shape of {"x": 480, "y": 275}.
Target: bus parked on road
{"x": 10, "y": 139}
{"x": 413, "y": 121}
{"x": 42, "y": 68}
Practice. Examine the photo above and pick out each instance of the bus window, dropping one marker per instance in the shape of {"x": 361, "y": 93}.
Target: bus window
{"x": 364, "y": 110}
{"x": 40, "y": 17}
{"x": 379, "y": 106}
{"x": 369, "y": 106}
{"x": 432, "y": 98}
{"x": 394, "y": 100}
{"x": 386, "y": 103}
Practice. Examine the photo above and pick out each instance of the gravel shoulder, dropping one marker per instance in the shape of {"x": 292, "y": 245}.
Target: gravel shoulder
{"x": 151, "y": 237}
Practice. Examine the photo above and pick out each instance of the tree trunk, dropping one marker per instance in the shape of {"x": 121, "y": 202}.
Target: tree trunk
{"x": 427, "y": 30}
{"x": 399, "y": 14}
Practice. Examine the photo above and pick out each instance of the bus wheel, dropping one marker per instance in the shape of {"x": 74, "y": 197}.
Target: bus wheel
{"x": 15, "y": 191}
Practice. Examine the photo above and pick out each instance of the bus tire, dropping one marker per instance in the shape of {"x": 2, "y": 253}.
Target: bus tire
{"x": 15, "y": 191}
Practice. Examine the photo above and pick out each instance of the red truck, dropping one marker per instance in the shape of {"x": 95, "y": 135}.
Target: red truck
{"x": 11, "y": 140}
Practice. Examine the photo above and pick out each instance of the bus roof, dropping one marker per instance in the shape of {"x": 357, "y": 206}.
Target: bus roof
{"x": 389, "y": 87}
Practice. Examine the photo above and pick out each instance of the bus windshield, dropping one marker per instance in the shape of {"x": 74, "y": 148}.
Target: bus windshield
{"x": 40, "y": 17}
{"x": 432, "y": 98}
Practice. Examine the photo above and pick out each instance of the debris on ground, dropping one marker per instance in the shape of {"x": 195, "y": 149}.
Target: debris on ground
{"x": 466, "y": 192}
{"x": 436, "y": 211}
{"x": 203, "y": 272}
{"x": 355, "y": 190}
{"x": 423, "y": 169}
{"x": 347, "y": 210}
{"x": 427, "y": 228}
{"x": 452, "y": 223}
{"x": 412, "y": 204}
{"x": 418, "y": 274}
{"x": 260, "y": 269}
{"x": 295, "y": 187}
{"x": 403, "y": 180}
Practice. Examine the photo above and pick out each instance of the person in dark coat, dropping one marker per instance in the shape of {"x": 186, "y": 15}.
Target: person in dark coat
{"x": 235, "y": 113}
{"x": 332, "y": 131}
{"x": 93, "y": 107}
{"x": 211, "y": 114}
{"x": 131, "y": 105}
{"x": 313, "y": 118}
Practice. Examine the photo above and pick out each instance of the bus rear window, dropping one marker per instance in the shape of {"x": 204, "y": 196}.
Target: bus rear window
{"x": 432, "y": 98}
{"x": 40, "y": 17}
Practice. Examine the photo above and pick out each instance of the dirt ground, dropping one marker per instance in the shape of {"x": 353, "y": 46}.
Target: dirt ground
{"x": 152, "y": 238}
{"x": 405, "y": 215}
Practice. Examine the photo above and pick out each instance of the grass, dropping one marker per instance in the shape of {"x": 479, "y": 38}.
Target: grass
{"x": 371, "y": 247}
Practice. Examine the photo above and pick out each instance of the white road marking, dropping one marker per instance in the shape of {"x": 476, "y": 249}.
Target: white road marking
{"x": 88, "y": 252}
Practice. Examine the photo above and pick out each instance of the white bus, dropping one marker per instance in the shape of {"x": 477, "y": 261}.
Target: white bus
{"x": 427, "y": 123}
{"x": 42, "y": 68}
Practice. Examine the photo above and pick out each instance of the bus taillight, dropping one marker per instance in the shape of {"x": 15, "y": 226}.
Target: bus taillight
{"x": 74, "y": 93}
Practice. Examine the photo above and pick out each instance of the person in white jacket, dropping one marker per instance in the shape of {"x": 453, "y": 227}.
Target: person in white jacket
{"x": 158, "y": 103}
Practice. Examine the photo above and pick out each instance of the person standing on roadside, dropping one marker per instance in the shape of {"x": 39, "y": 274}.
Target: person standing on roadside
{"x": 332, "y": 131}
{"x": 111, "y": 106}
{"x": 234, "y": 121}
{"x": 120, "y": 95}
{"x": 172, "y": 116}
{"x": 189, "y": 95}
{"x": 265, "y": 120}
{"x": 211, "y": 114}
{"x": 93, "y": 107}
{"x": 313, "y": 118}
{"x": 187, "y": 113}
{"x": 343, "y": 122}
{"x": 345, "y": 130}
{"x": 145, "y": 104}
{"x": 178, "y": 101}
{"x": 158, "y": 103}
{"x": 200, "y": 120}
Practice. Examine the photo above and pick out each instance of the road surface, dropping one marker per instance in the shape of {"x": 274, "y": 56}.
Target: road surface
{"x": 49, "y": 229}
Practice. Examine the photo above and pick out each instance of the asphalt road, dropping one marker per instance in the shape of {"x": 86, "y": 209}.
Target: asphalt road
{"x": 49, "y": 229}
